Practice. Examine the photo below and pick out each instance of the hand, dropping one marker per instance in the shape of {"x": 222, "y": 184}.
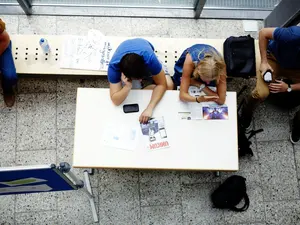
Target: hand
{"x": 206, "y": 98}
{"x": 280, "y": 86}
{"x": 264, "y": 67}
{"x": 126, "y": 81}
{"x": 146, "y": 115}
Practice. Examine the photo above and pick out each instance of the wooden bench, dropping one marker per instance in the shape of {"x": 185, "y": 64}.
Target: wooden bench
{"x": 30, "y": 59}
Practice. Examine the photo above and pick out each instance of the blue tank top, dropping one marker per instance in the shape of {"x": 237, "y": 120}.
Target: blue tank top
{"x": 197, "y": 53}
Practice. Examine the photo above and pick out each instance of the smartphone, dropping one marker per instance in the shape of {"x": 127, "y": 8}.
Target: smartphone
{"x": 130, "y": 108}
{"x": 267, "y": 76}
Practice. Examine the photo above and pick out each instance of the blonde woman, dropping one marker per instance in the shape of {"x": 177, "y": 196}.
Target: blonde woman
{"x": 201, "y": 66}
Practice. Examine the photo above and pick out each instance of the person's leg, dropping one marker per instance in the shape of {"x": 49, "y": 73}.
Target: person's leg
{"x": 9, "y": 76}
{"x": 259, "y": 94}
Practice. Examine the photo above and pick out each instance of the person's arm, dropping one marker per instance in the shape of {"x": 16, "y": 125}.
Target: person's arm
{"x": 118, "y": 93}
{"x": 186, "y": 81}
{"x": 4, "y": 41}
{"x": 221, "y": 90}
{"x": 157, "y": 94}
{"x": 265, "y": 35}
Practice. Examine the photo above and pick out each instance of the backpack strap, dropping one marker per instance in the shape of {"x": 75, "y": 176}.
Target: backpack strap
{"x": 253, "y": 132}
{"x": 243, "y": 208}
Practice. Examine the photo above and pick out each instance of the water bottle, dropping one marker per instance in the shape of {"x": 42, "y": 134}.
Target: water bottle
{"x": 44, "y": 45}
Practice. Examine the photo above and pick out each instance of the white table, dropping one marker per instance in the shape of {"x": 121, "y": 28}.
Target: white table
{"x": 194, "y": 144}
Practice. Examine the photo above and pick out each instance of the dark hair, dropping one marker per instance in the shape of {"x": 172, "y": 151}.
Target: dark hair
{"x": 133, "y": 66}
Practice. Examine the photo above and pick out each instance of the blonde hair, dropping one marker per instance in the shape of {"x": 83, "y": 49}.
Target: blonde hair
{"x": 212, "y": 66}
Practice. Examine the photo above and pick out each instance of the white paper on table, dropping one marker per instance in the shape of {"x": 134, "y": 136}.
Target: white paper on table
{"x": 120, "y": 137}
{"x": 196, "y": 111}
{"x": 30, "y": 188}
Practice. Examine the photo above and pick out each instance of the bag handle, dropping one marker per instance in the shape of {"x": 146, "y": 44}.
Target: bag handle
{"x": 246, "y": 205}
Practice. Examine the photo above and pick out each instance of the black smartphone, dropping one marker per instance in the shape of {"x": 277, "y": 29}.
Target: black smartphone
{"x": 130, "y": 108}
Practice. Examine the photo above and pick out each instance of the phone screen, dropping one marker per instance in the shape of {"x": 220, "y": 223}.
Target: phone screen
{"x": 130, "y": 108}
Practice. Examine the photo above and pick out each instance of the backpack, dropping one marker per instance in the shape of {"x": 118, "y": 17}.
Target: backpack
{"x": 239, "y": 56}
{"x": 230, "y": 193}
{"x": 244, "y": 142}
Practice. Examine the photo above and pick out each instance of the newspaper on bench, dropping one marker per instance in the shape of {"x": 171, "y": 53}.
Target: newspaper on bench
{"x": 91, "y": 52}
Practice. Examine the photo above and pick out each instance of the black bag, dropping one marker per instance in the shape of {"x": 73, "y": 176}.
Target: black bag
{"x": 239, "y": 56}
{"x": 244, "y": 142}
{"x": 230, "y": 193}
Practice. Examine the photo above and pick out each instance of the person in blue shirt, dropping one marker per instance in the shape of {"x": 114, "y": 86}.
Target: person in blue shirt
{"x": 280, "y": 54}
{"x": 201, "y": 65}
{"x": 134, "y": 61}
{"x": 7, "y": 67}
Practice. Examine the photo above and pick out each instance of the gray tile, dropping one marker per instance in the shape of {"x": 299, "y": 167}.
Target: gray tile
{"x": 273, "y": 120}
{"x": 37, "y": 85}
{"x": 297, "y": 159}
{"x": 187, "y": 28}
{"x": 194, "y": 177}
{"x": 66, "y": 101}
{"x": 69, "y": 85}
{"x": 278, "y": 170}
{"x": 197, "y": 207}
{"x": 43, "y": 25}
{"x": 11, "y": 22}
{"x": 66, "y": 110}
{"x": 114, "y": 26}
{"x": 224, "y": 28}
{"x": 7, "y": 139}
{"x": 283, "y": 212}
{"x": 36, "y": 202}
{"x": 39, "y": 157}
{"x": 119, "y": 197}
{"x": 101, "y": 82}
{"x": 7, "y": 208}
{"x": 159, "y": 187}
{"x": 37, "y": 218}
{"x": 160, "y": 215}
{"x": 65, "y": 142}
{"x": 74, "y": 25}
{"x": 151, "y": 27}
{"x": 74, "y": 207}
{"x": 36, "y": 121}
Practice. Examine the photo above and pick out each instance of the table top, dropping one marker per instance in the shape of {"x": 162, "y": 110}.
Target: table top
{"x": 194, "y": 144}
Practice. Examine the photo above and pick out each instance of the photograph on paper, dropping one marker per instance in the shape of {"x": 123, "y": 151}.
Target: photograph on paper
{"x": 155, "y": 134}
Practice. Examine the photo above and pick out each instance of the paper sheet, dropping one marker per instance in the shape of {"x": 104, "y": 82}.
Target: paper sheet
{"x": 91, "y": 52}
{"x": 122, "y": 138}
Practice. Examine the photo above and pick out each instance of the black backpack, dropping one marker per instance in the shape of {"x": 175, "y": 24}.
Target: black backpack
{"x": 244, "y": 142}
{"x": 239, "y": 56}
{"x": 230, "y": 193}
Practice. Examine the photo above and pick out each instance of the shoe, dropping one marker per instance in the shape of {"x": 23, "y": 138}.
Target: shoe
{"x": 294, "y": 138}
{"x": 9, "y": 99}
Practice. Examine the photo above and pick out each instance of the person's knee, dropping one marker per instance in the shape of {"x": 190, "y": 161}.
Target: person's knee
{"x": 260, "y": 94}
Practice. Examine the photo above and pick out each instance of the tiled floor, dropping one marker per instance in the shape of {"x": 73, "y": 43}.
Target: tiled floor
{"x": 39, "y": 129}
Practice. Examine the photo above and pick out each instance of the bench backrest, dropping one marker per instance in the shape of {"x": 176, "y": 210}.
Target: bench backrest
{"x": 30, "y": 59}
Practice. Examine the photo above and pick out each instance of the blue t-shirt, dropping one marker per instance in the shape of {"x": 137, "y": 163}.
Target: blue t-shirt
{"x": 138, "y": 46}
{"x": 285, "y": 46}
